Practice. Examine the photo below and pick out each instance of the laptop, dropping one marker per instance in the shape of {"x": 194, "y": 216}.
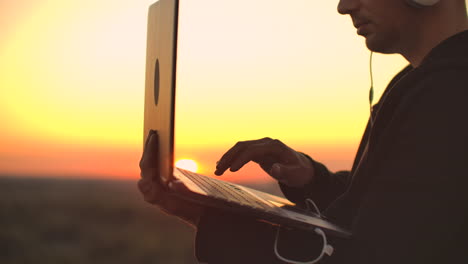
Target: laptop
{"x": 159, "y": 116}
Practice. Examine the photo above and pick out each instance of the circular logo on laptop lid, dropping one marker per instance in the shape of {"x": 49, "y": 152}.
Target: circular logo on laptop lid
{"x": 156, "y": 82}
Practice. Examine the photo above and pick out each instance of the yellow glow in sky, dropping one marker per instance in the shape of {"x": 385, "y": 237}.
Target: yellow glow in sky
{"x": 72, "y": 82}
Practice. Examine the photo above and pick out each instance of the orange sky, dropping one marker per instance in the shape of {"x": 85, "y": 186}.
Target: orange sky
{"x": 72, "y": 83}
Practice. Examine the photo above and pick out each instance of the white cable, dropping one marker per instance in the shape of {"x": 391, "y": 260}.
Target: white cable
{"x": 371, "y": 90}
{"x": 327, "y": 249}
{"x": 311, "y": 202}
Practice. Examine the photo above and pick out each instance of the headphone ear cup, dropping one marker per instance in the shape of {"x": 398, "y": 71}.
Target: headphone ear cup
{"x": 422, "y": 3}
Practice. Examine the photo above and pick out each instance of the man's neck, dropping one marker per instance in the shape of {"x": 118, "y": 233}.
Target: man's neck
{"x": 431, "y": 33}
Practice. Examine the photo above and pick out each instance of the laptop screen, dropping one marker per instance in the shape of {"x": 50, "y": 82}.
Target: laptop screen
{"x": 160, "y": 81}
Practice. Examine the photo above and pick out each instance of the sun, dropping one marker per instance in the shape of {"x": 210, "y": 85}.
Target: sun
{"x": 187, "y": 164}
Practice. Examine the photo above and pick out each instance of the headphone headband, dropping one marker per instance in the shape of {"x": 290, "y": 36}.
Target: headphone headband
{"x": 422, "y": 3}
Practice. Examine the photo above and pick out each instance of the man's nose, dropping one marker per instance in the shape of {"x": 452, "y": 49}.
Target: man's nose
{"x": 347, "y": 6}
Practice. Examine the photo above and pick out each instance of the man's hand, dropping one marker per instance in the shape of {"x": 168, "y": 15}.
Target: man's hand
{"x": 281, "y": 162}
{"x": 153, "y": 192}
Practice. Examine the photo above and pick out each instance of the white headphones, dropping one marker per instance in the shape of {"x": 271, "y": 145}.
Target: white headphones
{"x": 422, "y": 3}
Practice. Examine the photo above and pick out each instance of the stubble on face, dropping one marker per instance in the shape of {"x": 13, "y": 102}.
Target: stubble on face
{"x": 382, "y": 23}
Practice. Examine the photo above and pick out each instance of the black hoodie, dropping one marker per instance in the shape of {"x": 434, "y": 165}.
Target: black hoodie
{"x": 406, "y": 197}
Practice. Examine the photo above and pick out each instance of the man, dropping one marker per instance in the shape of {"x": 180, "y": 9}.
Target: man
{"x": 406, "y": 198}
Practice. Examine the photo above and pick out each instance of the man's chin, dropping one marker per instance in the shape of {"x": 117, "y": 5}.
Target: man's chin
{"x": 375, "y": 44}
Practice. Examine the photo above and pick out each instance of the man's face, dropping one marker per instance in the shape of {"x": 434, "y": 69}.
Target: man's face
{"x": 386, "y": 24}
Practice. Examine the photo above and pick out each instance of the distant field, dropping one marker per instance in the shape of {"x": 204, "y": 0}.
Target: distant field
{"x": 87, "y": 221}
{"x": 84, "y": 221}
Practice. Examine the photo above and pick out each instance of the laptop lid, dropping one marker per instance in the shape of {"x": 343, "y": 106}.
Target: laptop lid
{"x": 160, "y": 82}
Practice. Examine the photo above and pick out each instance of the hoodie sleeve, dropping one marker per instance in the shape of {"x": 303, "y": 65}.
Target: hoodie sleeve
{"x": 326, "y": 187}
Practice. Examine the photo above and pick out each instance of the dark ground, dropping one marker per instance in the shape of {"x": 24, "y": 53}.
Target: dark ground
{"x": 86, "y": 221}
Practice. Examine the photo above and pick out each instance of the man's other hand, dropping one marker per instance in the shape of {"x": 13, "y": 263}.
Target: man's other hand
{"x": 153, "y": 191}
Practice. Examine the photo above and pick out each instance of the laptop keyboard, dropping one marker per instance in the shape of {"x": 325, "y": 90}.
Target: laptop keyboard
{"x": 225, "y": 191}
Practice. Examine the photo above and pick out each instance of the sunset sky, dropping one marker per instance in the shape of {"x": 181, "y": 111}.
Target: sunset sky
{"x": 72, "y": 83}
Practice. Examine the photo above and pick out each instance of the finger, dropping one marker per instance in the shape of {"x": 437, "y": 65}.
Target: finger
{"x": 149, "y": 157}
{"x": 144, "y": 186}
{"x": 254, "y": 152}
{"x": 225, "y": 162}
{"x": 265, "y": 153}
{"x": 151, "y": 191}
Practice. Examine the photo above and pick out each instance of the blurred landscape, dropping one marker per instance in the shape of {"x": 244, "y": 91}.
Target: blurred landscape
{"x": 87, "y": 221}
